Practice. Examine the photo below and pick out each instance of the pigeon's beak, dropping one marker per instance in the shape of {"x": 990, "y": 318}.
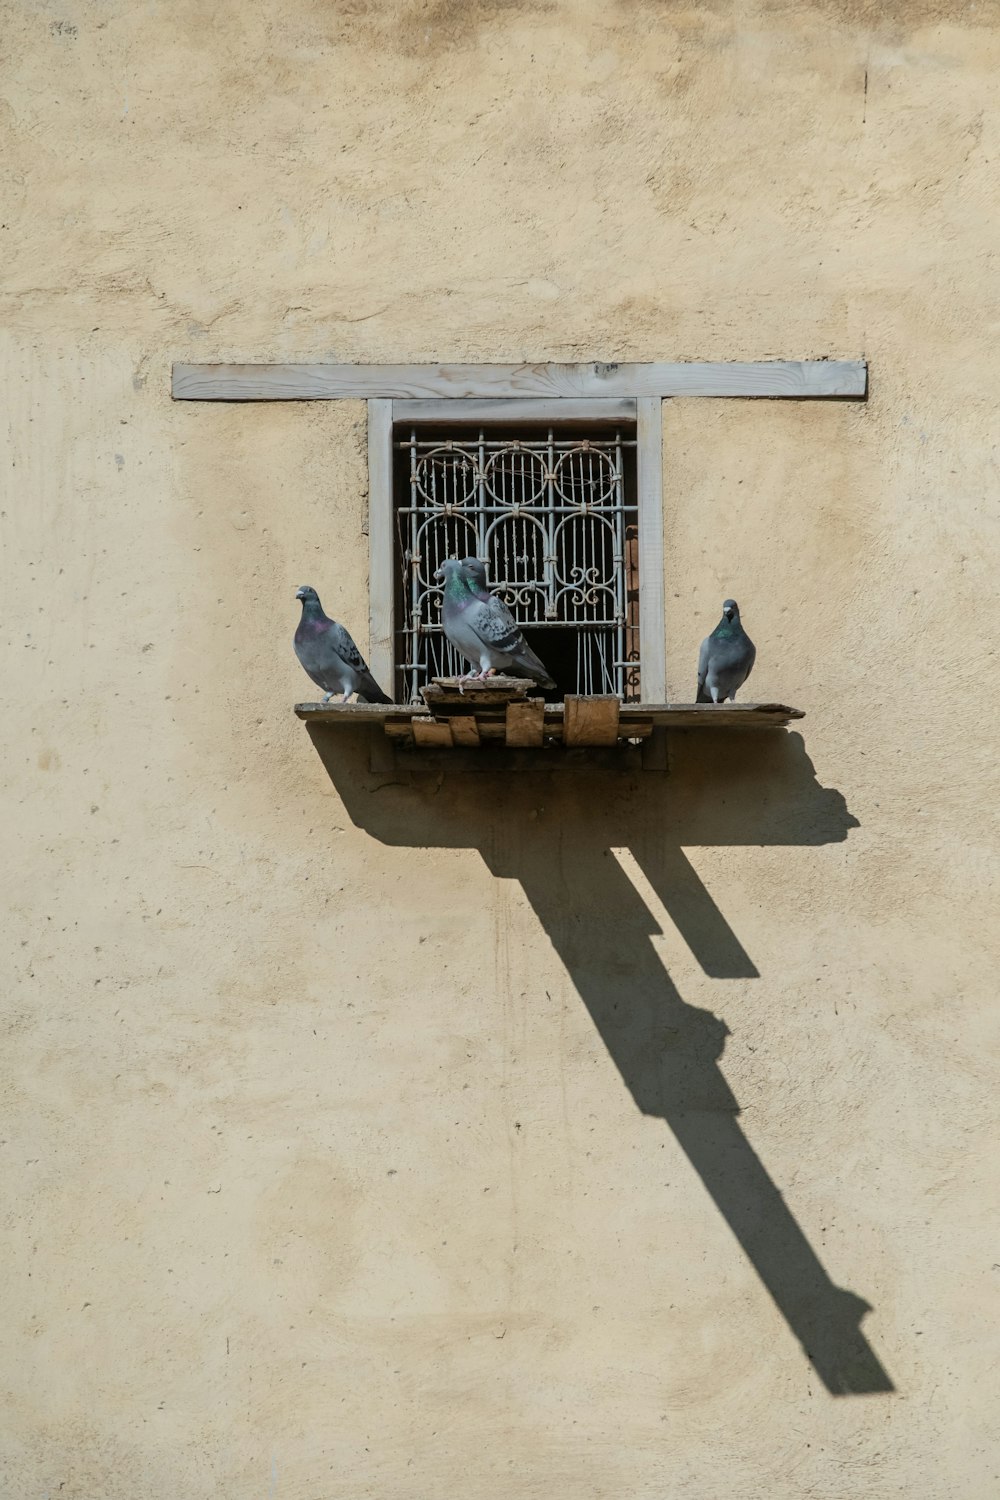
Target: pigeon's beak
{"x": 728, "y": 614}
{"x": 300, "y": 593}
{"x": 439, "y": 575}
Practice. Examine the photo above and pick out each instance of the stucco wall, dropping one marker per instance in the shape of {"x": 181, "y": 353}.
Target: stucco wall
{"x": 362, "y": 1139}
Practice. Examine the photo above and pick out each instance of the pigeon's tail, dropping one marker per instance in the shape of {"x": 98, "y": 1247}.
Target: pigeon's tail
{"x": 526, "y": 664}
{"x": 369, "y": 690}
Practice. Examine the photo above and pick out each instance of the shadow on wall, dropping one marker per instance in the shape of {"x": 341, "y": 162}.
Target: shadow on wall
{"x": 752, "y": 788}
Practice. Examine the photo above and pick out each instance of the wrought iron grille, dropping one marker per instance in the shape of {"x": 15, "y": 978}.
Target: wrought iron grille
{"x": 553, "y": 516}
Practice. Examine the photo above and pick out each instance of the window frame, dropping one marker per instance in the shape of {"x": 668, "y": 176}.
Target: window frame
{"x": 385, "y": 413}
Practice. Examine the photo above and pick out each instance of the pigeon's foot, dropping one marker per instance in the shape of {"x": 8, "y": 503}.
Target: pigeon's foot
{"x": 327, "y": 697}
{"x": 344, "y": 696}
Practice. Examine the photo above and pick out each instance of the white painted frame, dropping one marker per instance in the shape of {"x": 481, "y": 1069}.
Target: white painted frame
{"x": 778, "y": 378}
{"x": 522, "y": 393}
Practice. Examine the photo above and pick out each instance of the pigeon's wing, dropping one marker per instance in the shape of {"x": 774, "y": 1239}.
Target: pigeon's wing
{"x": 345, "y": 648}
{"x": 751, "y": 657}
{"x": 369, "y": 690}
{"x": 703, "y": 658}
{"x": 496, "y": 627}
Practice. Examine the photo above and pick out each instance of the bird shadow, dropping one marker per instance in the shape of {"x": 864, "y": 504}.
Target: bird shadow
{"x": 731, "y": 789}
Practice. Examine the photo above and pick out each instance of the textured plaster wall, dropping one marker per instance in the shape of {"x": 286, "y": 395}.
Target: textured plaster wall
{"x": 365, "y": 1140}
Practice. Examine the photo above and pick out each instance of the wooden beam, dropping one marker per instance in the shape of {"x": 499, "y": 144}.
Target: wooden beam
{"x": 591, "y": 721}
{"x": 431, "y": 732}
{"x": 649, "y": 473}
{"x": 398, "y": 717}
{"x": 790, "y": 378}
{"x": 515, "y": 409}
{"x": 525, "y": 723}
{"x": 381, "y": 562}
{"x": 464, "y": 729}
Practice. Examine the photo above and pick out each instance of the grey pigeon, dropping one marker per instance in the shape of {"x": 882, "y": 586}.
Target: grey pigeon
{"x": 330, "y": 657}
{"x": 726, "y": 659}
{"x": 482, "y": 628}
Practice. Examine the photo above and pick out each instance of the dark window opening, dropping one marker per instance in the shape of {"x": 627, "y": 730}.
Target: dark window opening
{"x": 552, "y": 513}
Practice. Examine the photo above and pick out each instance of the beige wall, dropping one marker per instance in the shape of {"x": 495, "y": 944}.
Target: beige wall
{"x": 370, "y": 1140}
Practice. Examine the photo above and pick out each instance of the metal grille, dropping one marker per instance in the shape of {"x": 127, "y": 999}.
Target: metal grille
{"x": 553, "y": 517}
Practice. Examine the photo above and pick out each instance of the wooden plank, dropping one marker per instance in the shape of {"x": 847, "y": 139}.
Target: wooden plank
{"x": 515, "y": 409}
{"x": 526, "y": 723}
{"x": 447, "y": 692}
{"x": 431, "y": 732}
{"x": 492, "y": 729}
{"x": 649, "y": 467}
{"x": 464, "y": 730}
{"x": 790, "y": 378}
{"x": 397, "y": 717}
{"x": 358, "y": 713}
{"x": 381, "y": 564}
{"x": 399, "y": 729}
{"x": 720, "y": 716}
{"x": 591, "y": 721}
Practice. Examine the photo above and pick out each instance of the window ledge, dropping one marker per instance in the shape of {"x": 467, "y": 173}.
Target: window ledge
{"x": 500, "y": 712}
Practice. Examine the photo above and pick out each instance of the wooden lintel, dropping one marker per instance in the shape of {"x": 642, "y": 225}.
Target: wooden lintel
{"x": 789, "y": 378}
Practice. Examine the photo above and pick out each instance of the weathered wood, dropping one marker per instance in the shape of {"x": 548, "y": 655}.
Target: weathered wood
{"x": 497, "y": 691}
{"x": 719, "y": 715}
{"x": 360, "y": 712}
{"x": 591, "y": 721}
{"x": 381, "y": 570}
{"x": 635, "y": 729}
{"x": 464, "y": 729}
{"x": 524, "y": 412}
{"x": 431, "y": 732}
{"x": 525, "y": 723}
{"x": 649, "y": 467}
{"x": 795, "y": 378}
{"x": 399, "y": 729}
{"x": 494, "y": 730}
{"x": 668, "y": 715}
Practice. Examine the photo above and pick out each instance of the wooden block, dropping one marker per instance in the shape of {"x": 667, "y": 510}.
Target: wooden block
{"x": 399, "y": 729}
{"x": 635, "y": 729}
{"x": 431, "y": 732}
{"x": 526, "y": 723}
{"x": 591, "y": 721}
{"x": 448, "y": 692}
{"x": 492, "y": 729}
{"x": 464, "y": 730}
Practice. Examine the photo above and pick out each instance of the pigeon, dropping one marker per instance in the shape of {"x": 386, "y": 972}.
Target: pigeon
{"x": 482, "y": 628}
{"x": 330, "y": 657}
{"x": 726, "y": 659}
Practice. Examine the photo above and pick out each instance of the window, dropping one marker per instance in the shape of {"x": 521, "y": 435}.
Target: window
{"x": 484, "y": 398}
{"x": 550, "y": 508}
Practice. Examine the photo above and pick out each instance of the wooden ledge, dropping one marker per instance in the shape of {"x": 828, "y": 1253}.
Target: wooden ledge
{"x": 509, "y": 712}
